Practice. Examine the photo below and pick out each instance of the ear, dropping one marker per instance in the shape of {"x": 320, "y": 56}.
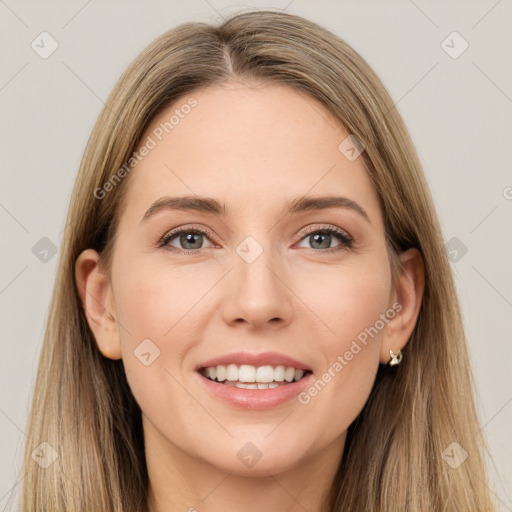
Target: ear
{"x": 408, "y": 294}
{"x": 96, "y": 295}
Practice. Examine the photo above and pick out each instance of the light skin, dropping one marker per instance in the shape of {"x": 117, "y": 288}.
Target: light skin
{"x": 254, "y": 148}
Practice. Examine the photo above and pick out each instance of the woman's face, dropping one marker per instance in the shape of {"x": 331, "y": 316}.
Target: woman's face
{"x": 252, "y": 278}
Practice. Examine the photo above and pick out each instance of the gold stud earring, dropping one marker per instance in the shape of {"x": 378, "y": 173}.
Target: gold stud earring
{"x": 395, "y": 358}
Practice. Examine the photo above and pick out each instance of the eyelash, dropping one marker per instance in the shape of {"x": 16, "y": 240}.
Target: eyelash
{"x": 346, "y": 241}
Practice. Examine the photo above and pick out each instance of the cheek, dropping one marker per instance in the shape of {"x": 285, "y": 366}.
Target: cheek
{"x": 352, "y": 304}
{"x": 145, "y": 308}
{"x": 158, "y": 323}
{"x": 161, "y": 312}
{"x": 155, "y": 304}
{"x": 361, "y": 302}
{"x": 348, "y": 301}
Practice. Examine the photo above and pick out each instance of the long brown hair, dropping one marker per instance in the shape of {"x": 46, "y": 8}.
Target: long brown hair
{"x": 82, "y": 405}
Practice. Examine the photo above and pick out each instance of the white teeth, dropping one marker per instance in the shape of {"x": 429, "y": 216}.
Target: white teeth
{"x": 265, "y": 374}
{"x": 289, "y": 374}
{"x": 232, "y": 372}
{"x": 221, "y": 373}
{"x": 279, "y": 373}
{"x": 247, "y": 373}
{"x": 250, "y": 377}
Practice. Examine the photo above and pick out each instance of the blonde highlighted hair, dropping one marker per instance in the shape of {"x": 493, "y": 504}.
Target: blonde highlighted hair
{"x": 82, "y": 404}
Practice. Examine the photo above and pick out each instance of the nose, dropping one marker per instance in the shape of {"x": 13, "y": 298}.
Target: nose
{"x": 257, "y": 294}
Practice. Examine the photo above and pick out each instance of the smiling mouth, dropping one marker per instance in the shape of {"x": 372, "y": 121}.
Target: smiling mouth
{"x": 251, "y": 377}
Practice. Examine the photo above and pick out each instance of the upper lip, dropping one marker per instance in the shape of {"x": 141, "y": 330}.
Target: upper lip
{"x": 261, "y": 359}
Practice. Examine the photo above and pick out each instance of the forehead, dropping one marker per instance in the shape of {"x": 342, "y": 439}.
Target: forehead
{"x": 253, "y": 147}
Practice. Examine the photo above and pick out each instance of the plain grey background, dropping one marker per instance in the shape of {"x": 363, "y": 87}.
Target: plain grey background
{"x": 457, "y": 108}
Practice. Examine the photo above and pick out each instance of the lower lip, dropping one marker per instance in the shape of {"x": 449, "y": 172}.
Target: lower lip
{"x": 256, "y": 399}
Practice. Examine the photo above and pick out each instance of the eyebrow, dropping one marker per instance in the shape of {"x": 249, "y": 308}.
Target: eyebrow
{"x": 210, "y": 205}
